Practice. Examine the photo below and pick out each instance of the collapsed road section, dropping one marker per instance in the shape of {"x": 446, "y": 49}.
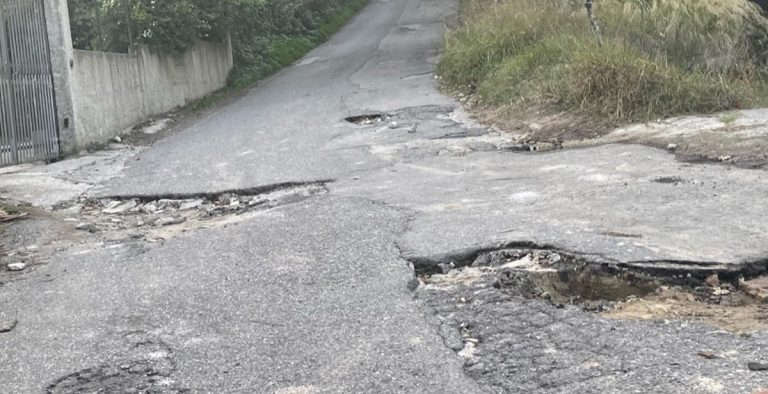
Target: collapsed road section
{"x": 533, "y": 320}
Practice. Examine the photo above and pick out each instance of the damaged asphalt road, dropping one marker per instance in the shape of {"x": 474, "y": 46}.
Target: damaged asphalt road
{"x": 270, "y": 247}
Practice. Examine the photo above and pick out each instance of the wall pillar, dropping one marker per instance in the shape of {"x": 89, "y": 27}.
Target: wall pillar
{"x": 62, "y": 62}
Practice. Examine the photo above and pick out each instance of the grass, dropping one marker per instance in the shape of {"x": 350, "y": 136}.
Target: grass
{"x": 729, "y": 118}
{"x": 658, "y": 58}
{"x": 276, "y": 53}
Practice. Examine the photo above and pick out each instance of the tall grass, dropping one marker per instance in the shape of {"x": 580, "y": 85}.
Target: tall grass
{"x": 658, "y": 57}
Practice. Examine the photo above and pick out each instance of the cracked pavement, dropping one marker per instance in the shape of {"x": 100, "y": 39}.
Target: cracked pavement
{"x": 316, "y": 294}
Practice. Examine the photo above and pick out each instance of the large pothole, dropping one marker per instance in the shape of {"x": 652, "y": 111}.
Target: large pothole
{"x": 137, "y": 213}
{"x": 734, "y": 303}
{"x": 539, "y": 321}
{"x": 152, "y": 219}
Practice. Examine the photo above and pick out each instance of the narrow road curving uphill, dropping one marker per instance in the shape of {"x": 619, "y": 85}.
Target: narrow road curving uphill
{"x": 367, "y": 237}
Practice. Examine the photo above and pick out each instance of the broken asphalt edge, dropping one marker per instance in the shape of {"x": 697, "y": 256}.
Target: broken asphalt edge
{"x": 211, "y": 195}
{"x": 747, "y": 269}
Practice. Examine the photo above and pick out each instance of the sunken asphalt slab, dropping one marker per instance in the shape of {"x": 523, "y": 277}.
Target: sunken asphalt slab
{"x": 312, "y": 297}
{"x": 623, "y": 204}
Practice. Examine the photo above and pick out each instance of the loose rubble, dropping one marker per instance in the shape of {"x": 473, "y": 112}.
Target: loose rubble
{"x": 616, "y": 293}
{"x": 7, "y": 325}
{"x": 89, "y": 227}
{"x": 144, "y": 213}
{"x": 757, "y": 288}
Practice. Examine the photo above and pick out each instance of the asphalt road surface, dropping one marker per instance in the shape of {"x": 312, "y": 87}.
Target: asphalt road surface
{"x": 318, "y": 295}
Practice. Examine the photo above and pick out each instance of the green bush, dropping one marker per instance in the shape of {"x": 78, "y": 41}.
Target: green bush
{"x": 618, "y": 83}
{"x": 266, "y": 34}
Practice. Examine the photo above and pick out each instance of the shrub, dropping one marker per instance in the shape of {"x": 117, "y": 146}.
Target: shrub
{"x": 658, "y": 58}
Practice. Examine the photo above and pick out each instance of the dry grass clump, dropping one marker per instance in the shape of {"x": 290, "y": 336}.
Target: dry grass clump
{"x": 658, "y": 57}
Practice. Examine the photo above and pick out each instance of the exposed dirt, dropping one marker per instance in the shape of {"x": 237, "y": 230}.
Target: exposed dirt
{"x": 536, "y": 125}
{"x": 744, "y": 316}
{"x": 617, "y": 293}
{"x": 738, "y": 138}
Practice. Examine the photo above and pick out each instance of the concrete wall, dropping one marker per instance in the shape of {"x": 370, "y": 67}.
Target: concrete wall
{"x": 112, "y": 92}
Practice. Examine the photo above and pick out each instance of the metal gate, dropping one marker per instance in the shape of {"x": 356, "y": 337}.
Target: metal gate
{"x": 28, "y": 126}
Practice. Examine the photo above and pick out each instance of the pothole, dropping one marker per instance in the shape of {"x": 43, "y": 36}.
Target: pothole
{"x": 669, "y": 180}
{"x": 368, "y": 119}
{"x": 147, "y": 366}
{"x": 734, "y": 304}
{"x": 155, "y": 218}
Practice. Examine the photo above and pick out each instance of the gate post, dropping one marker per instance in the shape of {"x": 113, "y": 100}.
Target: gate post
{"x": 62, "y": 62}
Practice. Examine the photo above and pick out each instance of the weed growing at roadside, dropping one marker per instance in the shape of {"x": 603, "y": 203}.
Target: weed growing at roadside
{"x": 658, "y": 58}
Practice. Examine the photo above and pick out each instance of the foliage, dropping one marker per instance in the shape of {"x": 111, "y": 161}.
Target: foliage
{"x": 266, "y": 34}
{"x": 658, "y": 57}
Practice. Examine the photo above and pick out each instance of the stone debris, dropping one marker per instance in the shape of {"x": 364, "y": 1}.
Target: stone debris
{"x": 133, "y": 214}
{"x": 757, "y": 288}
{"x": 8, "y": 217}
{"x": 446, "y": 268}
{"x": 469, "y": 350}
{"x": 121, "y": 208}
{"x": 168, "y": 203}
{"x": 672, "y": 147}
{"x": 718, "y": 292}
{"x": 170, "y": 221}
{"x": 89, "y": 227}
{"x": 16, "y": 267}
{"x": 110, "y": 204}
{"x": 713, "y": 281}
{"x": 7, "y": 325}
{"x": 148, "y": 208}
{"x": 156, "y": 127}
{"x": 708, "y": 355}
{"x": 191, "y": 205}
{"x": 393, "y": 125}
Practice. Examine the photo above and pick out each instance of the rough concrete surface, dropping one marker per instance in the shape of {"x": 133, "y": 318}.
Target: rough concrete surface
{"x": 624, "y": 203}
{"x": 200, "y": 265}
{"x": 737, "y": 137}
{"x": 64, "y": 181}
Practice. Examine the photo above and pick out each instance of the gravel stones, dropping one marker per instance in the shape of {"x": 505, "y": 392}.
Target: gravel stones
{"x": 89, "y": 227}
{"x": 16, "y": 267}
{"x": 121, "y": 208}
{"x": 7, "y": 325}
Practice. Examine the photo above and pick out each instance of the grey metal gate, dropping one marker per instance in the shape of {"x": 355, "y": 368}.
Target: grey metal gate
{"x": 28, "y": 126}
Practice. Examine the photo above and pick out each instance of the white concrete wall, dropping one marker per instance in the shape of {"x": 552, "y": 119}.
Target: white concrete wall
{"x": 113, "y": 92}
